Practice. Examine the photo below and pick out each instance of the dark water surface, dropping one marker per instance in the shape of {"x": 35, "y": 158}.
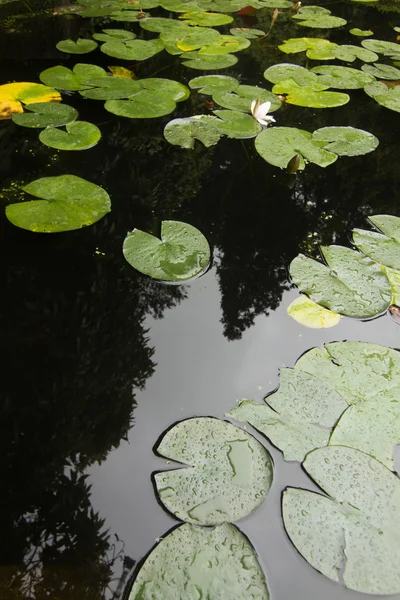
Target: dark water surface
{"x": 98, "y": 360}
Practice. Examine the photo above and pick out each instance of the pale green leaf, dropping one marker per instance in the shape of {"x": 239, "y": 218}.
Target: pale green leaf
{"x": 309, "y": 313}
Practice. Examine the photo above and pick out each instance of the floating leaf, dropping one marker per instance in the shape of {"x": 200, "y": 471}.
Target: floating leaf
{"x": 309, "y": 313}
{"x": 354, "y": 533}
{"x": 182, "y": 252}
{"x": 204, "y": 19}
{"x": 351, "y": 284}
{"x": 298, "y": 417}
{"x": 145, "y": 104}
{"x": 317, "y": 17}
{"x": 110, "y": 88}
{"x": 382, "y": 71}
{"x": 361, "y": 32}
{"x": 173, "y": 89}
{"x": 81, "y": 46}
{"x": 122, "y": 72}
{"x": 387, "y": 97}
{"x": 346, "y": 141}
{"x": 79, "y": 135}
{"x": 227, "y": 44}
{"x": 194, "y": 60}
{"x": 316, "y": 48}
{"x": 383, "y": 248}
{"x": 278, "y": 145}
{"x": 133, "y": 49}
{"x": 64, "y": 79}
{"x": 250, "y": 34}
{"x": 45, "y": 114}
{"x": 67, "y": 203}
{"x": 129, "y": 16}
{"x": 381, "y": 47}
{"x": 199, "y": 37}
{"x": 12, "y": 94}
{"x": 296, "y": 73}
{"x": 229, "y": 476}
{"x": 349, "y": 53}
{"x": 342, "y": 78}
{"x": 394, "y": 279}
{"x": 168, "y": 26}
{"x": 193, "y": 562}
{"x": 243, "y": 96}
{"x": 312, "y": 96}
{"x": 112, "y": 35}
{"x": 184, "y": 132}
{"x": 208, "y": 84}
{"x": 237, "y": 125}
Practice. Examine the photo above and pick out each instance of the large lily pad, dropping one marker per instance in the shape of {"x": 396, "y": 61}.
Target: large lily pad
{"x": 353, "y": 534}
{"x": 12, "y": 95}
{"x": 350, "y": 284}
{"x": 145, "y": 104}
{"x": 110, "y": 88}
{"x": 229, "y": 476}
{"x": 298, "y": 74}
{"x": 133, "y": 49}
{"x": 194, "y": 60}
{"x": 173, "y": 89}
{"x": 317, "y": 17}
{"x": 309, "y": 313}
{"x": 342, "y": 78}
{"x": 243, "y": 96}
{"x": 382, "y": 47}
{"x": 384, "y": 248}
{"x": 66, "y": 202}
{"x": 209, "y": 84}
{"x": 386, "y": 96}
{"x": 79, "y": 135}
{"x": 180, "y": 254}
{"x": 193, "y": 562}
{"x": 297, "y": 418}
{"x": 313, "y": 96}
{"x": 81, "y": 46}
{"x": 184, "y": 132}
{"x": 46, "y": 114}
{"x": 350, "y": 53}
{"x": 381, "y": 71}
{"x": 346, "y": 141}
{"x": 315, "y": 48}
{"x": 279, "y": 145}
{"x": 64, "y": 79}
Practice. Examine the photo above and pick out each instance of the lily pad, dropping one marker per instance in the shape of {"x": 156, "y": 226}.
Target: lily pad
{"x": 194, "y": 60}
{"x": 243, "y": 96}
{"x": 128, "y": 16}
{"x": 205, "y": 19}
{"x": 342, "y": 78}
{"x": 387, "y": 97}
{"x": 228, "y": 472}
{"x": 349, "y": 53}
{"x": 237, "y": 125}
{"x": 382, "y": 47}
{"x": 346, "y": 141}
{"x": 350, "y": 284}
{"x": 193, "y": 562}
{"x": 184, "y": 132}
{"x": 227, "y": 44}
{"x": 383, "y": 248}
{"x": 208, "y": 84}
{"x": 66, "y": 203}
{"x": 361, "y": 32}
{"x": 145, "y": 104}
{"x": 248, "y": 33}
{"x": 197, "y": 38}
{"x": 296, "y": 73}
{"x": 315, "y": 48}
{"x": 12, "y": 95}
{"x": 168, "y": 26}
{"x": 317, "y": 17}
{"x": 79, "y": 135}
{"x": 279, "y": 145}
{"x": 309, "y": 313}
{"x": 381, "y": 71}
{"x": 112, "y": 35}
{"x": 133, "y": 49}
{"x": 81, "y": 46}
{"x": 110, "y": 88}
{"x": 173, "y": 89}
{"x": 313, "y": 96}
{"x": 46, "y": 114}
{"x": 182, "y": 252}
{"x": 394, "y": 279}
{"x": 298, "y": 417}
{"x": 64, "y": 79}
{"x": 353, "y": 534}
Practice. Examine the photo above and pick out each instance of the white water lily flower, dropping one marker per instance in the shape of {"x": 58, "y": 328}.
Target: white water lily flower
{"x": 260, "y": 112}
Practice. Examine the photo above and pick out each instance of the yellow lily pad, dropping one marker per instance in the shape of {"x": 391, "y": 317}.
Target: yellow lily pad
{"x": 309, "y": 313}
{"x": 13, "y": 94}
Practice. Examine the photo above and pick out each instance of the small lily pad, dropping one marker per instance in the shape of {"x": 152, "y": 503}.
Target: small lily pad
{"x": 346, "y": 141}
{"x": 309, "y": 313}
{"x": 387, "y": 97}
{"x": 194, "y": 60}
{"x": 384, "y": 247}
{"x": 79, "y": 135}
{"x": 350, "y": 53}
{"x": 313, "y": 96}
{"x": 205, "y": 19}
{"x": 243, "y": 96}
{"x": 46, "y": 114}
{"x": 184, "y": 132}
{"x": 133, "y": 49}
{"x": 186, "y": 563}
{"x": 64, "y": 79}
{"x": 361, "y": 32}
{"x": 342, "y": 78}
{"x": 66, "y": 203}
{"x": 279, "y": 145}
{"x": 181, "y": 254}
{"x": 315, "y": 48}
{"x": 81, "y": 46}
{"x": 112, "y": 35}
{"x": 246, "y": 32}
{"x": 317, "y": 17}
{"x": 296, "y": 73}
{"x": 381, "y": 71}
{"x": 228, "y": 472}
{"x": 208, "y": 84}
{"x": 235, "y": 124}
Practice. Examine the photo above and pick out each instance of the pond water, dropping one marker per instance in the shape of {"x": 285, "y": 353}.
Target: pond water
{"x": 99, "y": 360}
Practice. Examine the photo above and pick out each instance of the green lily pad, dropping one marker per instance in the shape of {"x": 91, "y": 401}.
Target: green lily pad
{"x": 227, "y": 44}
{"x": 45, "y": 114}
{"x": 66, "y": 203}
{"x": 110, "y": 88}
{"x": 229, "y": 476}
{"x": 208, "y": 84}
{"x": 382, "y": 71}
{"x": 243, "y": 96}
{"x": 79, "y": 135}
{"x": 342, "y": 78}
{"x": 192, "y": 562}
{"x": 309, "y": 313}
{"x": 182, "y": 252}
{"x": 346, "y": 141}
{"x": 81, "y": 46}
{"x": 297, "y": 418}
{"x": 312, "y": 96}
{"x": 112, "y": 35}
{"x": 361, "y": 32}
{"x": 353, "y": 534}
{"x": 270, "y": 4}
{"x": 315, "y": 48}
{"x": 394, "y": 279}
{"x": 237, "y": 125}
{"x": 383, "y": 248}
{"x": 298, "y": 74}
{"x": 279, "y": 145}
{"x": 184, "y": 132}
{"x": 387, "y": 97}
{"x": 168, "y": 26}
{"x": 64, "y": 79}
{"x": 145, "y": 104}
{"x": 194, "y": 60}
{"x": 128, "y": 16}
{"x": 349, "y": 53}
{"x": 248, "y": 33}
{"x": 173, "y": 89}
{"x": 133, "y": 49}
{"x": 204, "y": 19}
{"x": 317, "y": 17}
{"x": 381, "y": 47}
{"x": 350, "y": 284}
{"x": 199, "y": 37}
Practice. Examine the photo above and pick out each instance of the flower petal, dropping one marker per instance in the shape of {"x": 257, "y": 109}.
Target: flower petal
{"x": 264, "y": 108}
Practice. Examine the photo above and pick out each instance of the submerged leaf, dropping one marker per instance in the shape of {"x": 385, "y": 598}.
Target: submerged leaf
{"x": 227, "y": 477}
{"x": 309, "y": 313}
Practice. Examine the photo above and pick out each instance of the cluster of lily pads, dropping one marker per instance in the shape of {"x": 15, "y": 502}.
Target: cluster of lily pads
{"x": 337, "y": 412}
{"x": 361, "y": 283}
